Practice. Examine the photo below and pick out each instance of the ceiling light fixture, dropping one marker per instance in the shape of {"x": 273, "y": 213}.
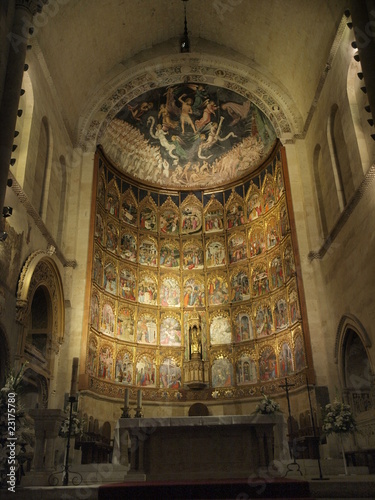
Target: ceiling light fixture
{"x": 184, "y": 40}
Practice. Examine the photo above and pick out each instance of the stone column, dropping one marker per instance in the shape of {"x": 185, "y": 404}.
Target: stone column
{"x": 363, "y": 17}
{"x": 18, "y": 39}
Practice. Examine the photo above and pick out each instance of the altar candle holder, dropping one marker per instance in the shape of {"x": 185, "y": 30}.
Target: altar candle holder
{"x": 138, "y": 411}
{"x": 126, "y": 408}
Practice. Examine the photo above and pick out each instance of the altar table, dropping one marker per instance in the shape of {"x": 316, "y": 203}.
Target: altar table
{"x": 195, "y": 447}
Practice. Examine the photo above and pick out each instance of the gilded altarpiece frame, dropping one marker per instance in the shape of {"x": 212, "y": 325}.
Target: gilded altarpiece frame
{"x": 158, "y": 259}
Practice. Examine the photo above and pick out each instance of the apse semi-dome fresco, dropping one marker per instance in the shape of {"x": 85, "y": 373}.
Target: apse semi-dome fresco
{"x": 189, "y": 136}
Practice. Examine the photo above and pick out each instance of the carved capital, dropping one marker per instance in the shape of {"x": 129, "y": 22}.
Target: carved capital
{"x": 21, "y": 311}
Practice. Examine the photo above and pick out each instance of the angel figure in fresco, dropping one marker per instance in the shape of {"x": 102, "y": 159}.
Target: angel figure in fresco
{"x": 209, "y": 109}
{"x": 160, "y": 135}
{"x": 236, "y": 111}
{"x": 214, "y": 137}
{"x": 140, "y": 109}
{"x": 200, "y": 97}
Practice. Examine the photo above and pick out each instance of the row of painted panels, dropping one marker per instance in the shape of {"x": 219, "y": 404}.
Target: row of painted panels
{"x": 271, "y": 362}
{"x": 171, "y": 253}
{"x": 170, "y": 220}
{"x": 215, "y": 288}
{"x": 164, "y": 327}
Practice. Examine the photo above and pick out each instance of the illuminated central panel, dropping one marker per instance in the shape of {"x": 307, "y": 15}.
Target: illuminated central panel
{"x": 168, "y": 263}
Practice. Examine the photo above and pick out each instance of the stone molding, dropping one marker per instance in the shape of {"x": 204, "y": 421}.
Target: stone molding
{"x": 40, "y": 224}
{"x": 344, "y": 216}
{"x": 350, "y": 321}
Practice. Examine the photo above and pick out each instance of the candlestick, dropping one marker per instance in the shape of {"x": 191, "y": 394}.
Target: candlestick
{"x": 125, "y": 410}
{"x": 73, "y": 385}
{"x": 139, "y": 398}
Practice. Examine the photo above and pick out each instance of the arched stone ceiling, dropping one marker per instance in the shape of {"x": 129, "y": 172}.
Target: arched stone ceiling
{"x": 88, "y": 44}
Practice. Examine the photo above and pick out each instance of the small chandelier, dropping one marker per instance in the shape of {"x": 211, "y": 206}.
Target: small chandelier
{"x": 184, "y": 40}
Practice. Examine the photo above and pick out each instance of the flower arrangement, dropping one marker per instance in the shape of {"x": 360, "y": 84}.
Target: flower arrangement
{"x": 76, "y": 428}
{"x": 338, "y": 419}
{"x": 267, "y": 406}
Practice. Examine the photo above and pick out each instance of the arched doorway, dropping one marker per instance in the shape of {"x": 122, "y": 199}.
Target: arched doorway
{"x": 40, "y": 312}
{"x": 356, "y": 374}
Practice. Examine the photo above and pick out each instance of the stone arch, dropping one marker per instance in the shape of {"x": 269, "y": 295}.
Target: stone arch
{"x": 353, "y": 343}
{"x": 41, "y": 335}
{"x": 123, "y": 85}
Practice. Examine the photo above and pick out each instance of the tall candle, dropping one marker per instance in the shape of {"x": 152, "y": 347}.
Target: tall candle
{"x": 126, "y": 398}
{"x": 73, "y": 385}
{"x": 139, "y": 398}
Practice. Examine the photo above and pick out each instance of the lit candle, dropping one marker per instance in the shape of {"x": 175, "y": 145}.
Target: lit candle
{"x": 139, "y": 398}
{"x": 73, "y": 385}
{"x": 126, "y": 398}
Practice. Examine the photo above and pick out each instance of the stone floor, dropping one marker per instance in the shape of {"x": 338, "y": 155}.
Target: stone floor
{"x": 327, "y": 482}
{"x": 342, "y": 487}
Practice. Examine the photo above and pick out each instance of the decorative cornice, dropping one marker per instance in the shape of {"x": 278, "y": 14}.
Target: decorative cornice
{"x": 39, "y": 223}
{"x": 345, "y": 214}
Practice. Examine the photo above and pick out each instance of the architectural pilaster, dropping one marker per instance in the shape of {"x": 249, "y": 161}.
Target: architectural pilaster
{"x": 363, "y": 18}
{"x": 18, "y": 40}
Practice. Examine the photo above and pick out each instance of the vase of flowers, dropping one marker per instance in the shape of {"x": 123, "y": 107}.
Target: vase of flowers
{"x": 339, "y": 419}
{"x": 267, "y": 406}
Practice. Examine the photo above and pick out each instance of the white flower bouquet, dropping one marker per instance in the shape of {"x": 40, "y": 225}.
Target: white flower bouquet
{"x": 76, "y": 428}
{"x": 338, "y": 419}
{"x": 267, "y": 406}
